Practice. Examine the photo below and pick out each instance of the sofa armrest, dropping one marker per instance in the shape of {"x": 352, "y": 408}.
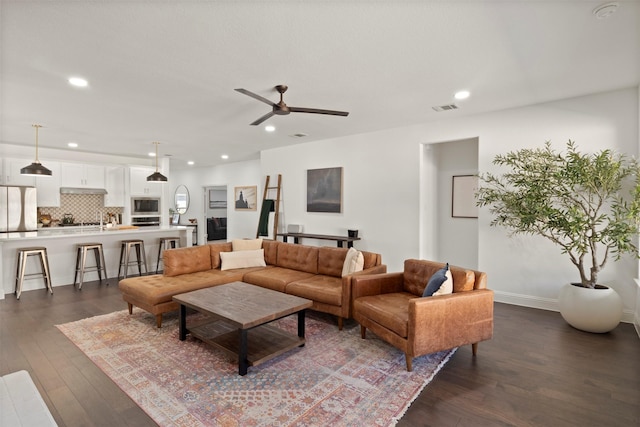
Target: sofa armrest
{"x": 448, "y": 321}
{"x": 375, "y": 284}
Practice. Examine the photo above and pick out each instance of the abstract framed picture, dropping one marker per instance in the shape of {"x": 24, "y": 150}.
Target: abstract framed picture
{"x": 324, "y": 190}
{"x": 463, "y": 200}
{"x": 246, "y": 198}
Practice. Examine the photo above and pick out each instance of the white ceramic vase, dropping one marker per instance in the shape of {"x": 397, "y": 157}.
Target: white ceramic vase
{"x": 596, "y": 310}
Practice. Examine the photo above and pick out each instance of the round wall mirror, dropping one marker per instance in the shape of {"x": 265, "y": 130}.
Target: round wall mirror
{"x": 182, "y": 199}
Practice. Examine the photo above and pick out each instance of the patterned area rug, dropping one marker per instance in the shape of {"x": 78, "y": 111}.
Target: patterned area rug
{"x": 336, "y": 379}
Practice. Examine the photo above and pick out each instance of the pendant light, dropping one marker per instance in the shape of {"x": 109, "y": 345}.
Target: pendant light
{"x": 35, "y": 168}
{"x": 156, "y": 176}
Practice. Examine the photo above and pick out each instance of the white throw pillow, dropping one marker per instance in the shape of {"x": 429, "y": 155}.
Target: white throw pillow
{"x": 242, "y": 259}
{"x": 447, "y": 286}
{"x": 353, "y": 262}
{"x": 246, "y": 244}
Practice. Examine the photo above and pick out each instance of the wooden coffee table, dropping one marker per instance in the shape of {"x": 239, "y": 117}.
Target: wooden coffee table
{"x": 237, "y": 321}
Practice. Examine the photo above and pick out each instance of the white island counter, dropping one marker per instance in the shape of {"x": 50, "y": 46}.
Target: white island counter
{"x": 61, "y": 249}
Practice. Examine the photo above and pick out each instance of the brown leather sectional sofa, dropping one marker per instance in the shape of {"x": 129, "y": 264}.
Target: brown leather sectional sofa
{"x": 310, "y": 272}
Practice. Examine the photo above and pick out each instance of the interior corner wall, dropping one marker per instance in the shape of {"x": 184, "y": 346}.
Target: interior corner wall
{"x": 450, "y": 159}
{"x": 381, "y": 189}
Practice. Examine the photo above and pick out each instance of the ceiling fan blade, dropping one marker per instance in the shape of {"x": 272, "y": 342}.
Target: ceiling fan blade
{"x": 318, "y": 111}
{"x": 263, "y": 118}
{"x": 256, "y": 96}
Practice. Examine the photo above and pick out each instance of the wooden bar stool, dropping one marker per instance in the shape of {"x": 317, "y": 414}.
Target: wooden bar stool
{"x": 23, "y": 254}
{"x": 125, "y": 261}
{"x": 165, "y": 243}
{"x": 81, "y": 262}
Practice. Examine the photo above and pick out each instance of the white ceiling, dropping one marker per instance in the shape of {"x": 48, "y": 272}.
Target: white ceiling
{"x": 166, "y": 70}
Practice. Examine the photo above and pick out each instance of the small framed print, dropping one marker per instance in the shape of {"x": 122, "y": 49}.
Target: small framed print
{"x": 175, "y": 219}
{"x": 463, "y": 199}
{"x": 246, "y": 198}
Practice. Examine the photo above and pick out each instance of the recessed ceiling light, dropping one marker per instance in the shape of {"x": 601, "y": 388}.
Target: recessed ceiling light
{"x": 269, "y": 128}
{"x": 152, "y": 154}
{"x": 73, "y": 144}
{"x": 224, "y": 157}
{"x": 190, "y": 162}
{"x": 463, "y": 94}
{"x": 605, "y": 10}
{"x": 78, "y": 82}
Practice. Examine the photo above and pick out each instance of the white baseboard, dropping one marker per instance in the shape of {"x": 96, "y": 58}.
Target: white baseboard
{"x": 549, "y": 304}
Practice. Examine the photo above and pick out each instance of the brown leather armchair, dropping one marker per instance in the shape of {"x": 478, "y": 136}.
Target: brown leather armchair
{"x": 391, "y": 305}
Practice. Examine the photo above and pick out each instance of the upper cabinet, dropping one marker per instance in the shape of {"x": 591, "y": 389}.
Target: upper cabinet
{"x": 11, "y": 175}
{"x": 139, "y": 185}
{"x": 81, "y": 175}
{"x": 114, "y": 184}
{"x": 48, "y": 187}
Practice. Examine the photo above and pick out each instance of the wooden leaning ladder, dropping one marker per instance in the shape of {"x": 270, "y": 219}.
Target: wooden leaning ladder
{"x": 276, "y": 206}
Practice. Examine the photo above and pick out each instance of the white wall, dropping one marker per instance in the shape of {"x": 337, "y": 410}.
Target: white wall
{"x": 240, "y": 224}
{"x": 382, "y": 193}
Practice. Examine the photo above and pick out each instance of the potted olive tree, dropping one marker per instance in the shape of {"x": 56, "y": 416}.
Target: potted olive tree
{"x": 587, "y": 204}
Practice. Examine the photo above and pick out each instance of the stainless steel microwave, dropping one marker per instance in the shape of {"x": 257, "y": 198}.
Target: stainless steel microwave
{"x": 145, "y": 206}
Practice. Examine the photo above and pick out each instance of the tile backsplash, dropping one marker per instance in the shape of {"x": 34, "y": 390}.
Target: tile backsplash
{"x": 83, "y": 207}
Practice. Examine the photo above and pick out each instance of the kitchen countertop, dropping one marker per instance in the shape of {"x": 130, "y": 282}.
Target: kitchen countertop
{"x": 89, "y": 230}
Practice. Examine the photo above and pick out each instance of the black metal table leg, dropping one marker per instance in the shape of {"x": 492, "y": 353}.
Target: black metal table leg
{"x": 243, "y": 363}
{"x": 183, "y": 322}
{"x": 301, "y": 314}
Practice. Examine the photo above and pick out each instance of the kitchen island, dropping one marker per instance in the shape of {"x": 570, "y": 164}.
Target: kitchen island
{"x": 61, "y": 248}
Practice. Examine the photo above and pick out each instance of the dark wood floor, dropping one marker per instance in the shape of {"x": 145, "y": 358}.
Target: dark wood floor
{"x": 537, "y": 371}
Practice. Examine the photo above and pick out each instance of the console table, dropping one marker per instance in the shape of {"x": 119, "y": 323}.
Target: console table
{"x": 339, "y": 239}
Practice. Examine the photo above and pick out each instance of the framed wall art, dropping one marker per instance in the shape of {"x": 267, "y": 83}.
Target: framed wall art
{"x": 246, "y": 198}
{"x": 463, "y": 199}
{"x": 217, "y": 199}
{"x": 324, "y": 190}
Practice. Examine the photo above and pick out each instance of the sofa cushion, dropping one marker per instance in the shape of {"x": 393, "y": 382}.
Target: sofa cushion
{"x": 440, "y": 283}
{"x": 215, "y": 249}
{"x": 320, "y": 288}
{"x": 298, "y": 257}
{"x": 275, "y": 278}
{"x": 186, "y": 260}
{"x": 353, "y": 262}
{"x": 331, "y": 260}
{"x": 246, "y": 244}
{"x": 270, "y": 251}
{"x": 156, "y": 289}
{"x": 416, "y": 273}
{"x": 242, "y": 259}
{"x": 389, "y": 310}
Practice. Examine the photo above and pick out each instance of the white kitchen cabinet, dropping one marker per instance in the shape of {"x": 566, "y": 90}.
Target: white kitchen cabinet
{"x": 11, "y": 175}
{"x": 114, "y": 184}
{"x": 139, "y": 185}
{"x": 83, "y": 176}
{"x": 48, "y": 187}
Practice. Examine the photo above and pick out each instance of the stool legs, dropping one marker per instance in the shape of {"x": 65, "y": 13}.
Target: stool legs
{"x": 164, "y": 244}
{"x": 125, "y": 261}
{"x": 23, "y": 255}
{"x": 81, "y": 262}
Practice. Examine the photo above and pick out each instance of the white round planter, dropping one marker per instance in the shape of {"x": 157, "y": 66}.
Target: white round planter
{"x": 593, "y": 310}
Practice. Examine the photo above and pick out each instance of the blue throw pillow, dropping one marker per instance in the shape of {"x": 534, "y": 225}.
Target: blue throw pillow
{"x": 436, "y": 281}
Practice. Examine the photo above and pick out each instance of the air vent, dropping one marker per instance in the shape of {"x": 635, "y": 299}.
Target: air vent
{"x": 446, "y": 107}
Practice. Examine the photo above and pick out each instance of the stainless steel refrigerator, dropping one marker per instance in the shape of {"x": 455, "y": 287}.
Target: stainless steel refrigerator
{"x": 18, "y": 209}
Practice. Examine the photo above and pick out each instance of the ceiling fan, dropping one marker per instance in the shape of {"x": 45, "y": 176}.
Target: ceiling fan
{"x": 283, "y": 109}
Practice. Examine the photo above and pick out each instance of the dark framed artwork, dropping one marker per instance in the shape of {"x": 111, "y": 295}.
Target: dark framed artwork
{"x": 324, "y": 190}
{"x": 246, "y": 198}
{"x": 463, "y": 199}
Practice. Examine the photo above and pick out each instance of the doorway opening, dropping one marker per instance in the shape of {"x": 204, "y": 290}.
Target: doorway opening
{"x": 215, "y": 212}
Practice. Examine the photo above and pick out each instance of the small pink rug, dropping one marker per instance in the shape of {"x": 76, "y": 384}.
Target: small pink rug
{"x": 336, "y": 379}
